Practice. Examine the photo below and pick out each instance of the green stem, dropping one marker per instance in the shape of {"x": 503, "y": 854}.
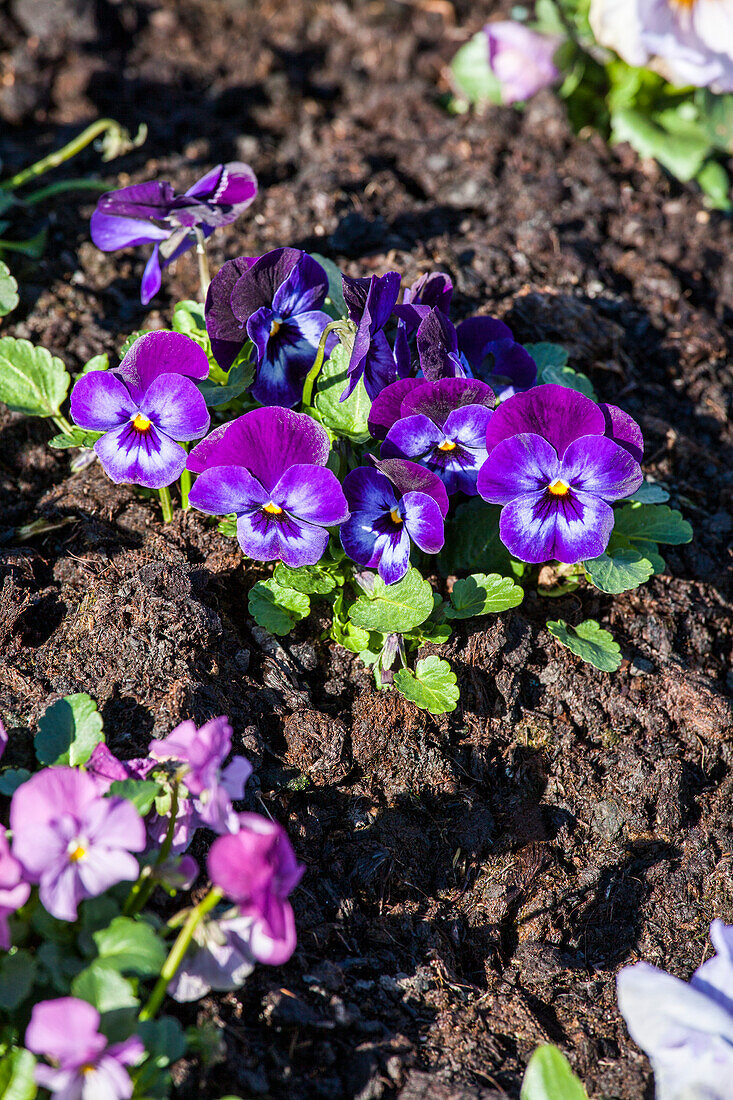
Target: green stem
{"x": 143, "y": 888}
{"x": 313, "y": 373}
{"x": 53, "y": 160}
{"x": 166, "y": 504}
{"x": 178, "y": 951}
{"x": 203, "y": 262}
{"x": 61, "y": 186}
{"x": 185, "y": 489}
{"x": 62, "y": 424}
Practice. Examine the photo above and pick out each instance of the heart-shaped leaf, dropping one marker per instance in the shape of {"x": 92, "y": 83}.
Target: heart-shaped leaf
{"x": 432, "y": 686}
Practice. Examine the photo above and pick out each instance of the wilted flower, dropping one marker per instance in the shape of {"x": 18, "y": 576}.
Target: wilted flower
{"x": 275, "y": 301}
{"x": 145, "y": 408}
{"x": 555, "y": 460}
{"x": 520, "y": 59}
{"x": 393, "y": 505}
{"x": 152, "y": 213}
{"x": 686, "y": 1030}
{"x": 268, "y": 467}
{"x": 481, "y": 347}
{"x": 71, "y": 841}
{"x": 85, "y": 1067}
{"x": 370, "y": 303}
{"x": 14, "y": 892}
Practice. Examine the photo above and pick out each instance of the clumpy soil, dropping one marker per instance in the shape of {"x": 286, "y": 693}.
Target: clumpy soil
{"x": 474, "y": 882}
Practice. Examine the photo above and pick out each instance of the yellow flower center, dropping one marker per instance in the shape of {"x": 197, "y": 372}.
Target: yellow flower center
{"x": 88, "y": 1068}
{"x": 78, "y": 853}
{"x": 273, "y": 509}
{"x": 559, "y": 488}
{"x": 141, "y": 423}
{"x": 395, "y": 516}
{"x": 447, "y": 445}
{"x": 275, "y": 328}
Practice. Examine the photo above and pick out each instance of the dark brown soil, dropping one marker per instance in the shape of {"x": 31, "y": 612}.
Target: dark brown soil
{"x": 475, "y": 881}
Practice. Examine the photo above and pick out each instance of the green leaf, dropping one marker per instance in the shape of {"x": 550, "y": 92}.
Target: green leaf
{"x": 618, "y": 570}
{"x": 32, "y": 381}
{"x": 104, "y": 987}
{"x": 141, "y": 792}
{"x": 32, "y": 247}
{"x": 238, "y": 379}
{"x": 189, "y": 319}
{"x": 8, "y": 291}
{"x": 472, "y": 540}
{"x": 570, "y": 379}
{"x": 275, "y": 608}
{"x": 97, "y": 362}
{"x": 130, "y": 946}
{"x": 335, "y": 286}
{"x": 228, "y": 526}
{"x": 79, "y": 437}
{"x": 11, "y": 779}
{"x": 345, "y": 418}
{"x": 549, "y": 1077}
{"x": 59, "y": 964}
{"x": 714, "y": 182}
{"x": 681, "y": 152}
{"x": 131, "y": 339}
{"x": 68, "y": 731}
{"x": 471, "y": 73}
{"x": 308, "y": 579}
{"x": 483, "y": 594}
{"x": 396, "y": 607}
{"x": 17, "y": 972}
{"x": 652, "y": 523}
{"x": 164, "y": 1040}
{"x": 431, "y": 687}
{"x": 649, "y": 493}
{"x": 547, "y": 355}
{"x": 590, "y": 642}
{"x": 17, "y": 1075}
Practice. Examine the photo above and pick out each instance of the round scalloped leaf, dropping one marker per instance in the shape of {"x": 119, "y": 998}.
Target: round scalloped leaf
{"x": 68, "y": 731}
{"x": 549, "y": 1077}
{"x": 275, "y": 608}
{"x": 308, "y": 579}
{"x": 653, "y": 523}
{"x": 17, "y": 1075}
{"x": 8, "y": 291}
{"x": 590, "y": 642}
{"x": 547, "y": 355}
{"x": 32, "y": 381}
{"x": 394, "y": 608}
{"x": 649, "y": 493}
{"x": 483, "y": 594}
{"x": 347, "y": 418}
{"x": 570, "y": 379}
{"x": 432, "y": 686}
{"x": 618, "y": 570}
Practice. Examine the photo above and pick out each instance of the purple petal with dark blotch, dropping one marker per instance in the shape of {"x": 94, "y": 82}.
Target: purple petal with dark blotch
{"x": 152, "y": 277}
{"x": 513, "y": 369}
{"x": 355, "y": 295}
{"x": 272, "y": 538}
{"x": 436, "y": 343}
{"x": 475, "y": 334}
{"x": 394, "y": 560}
{"x": 438, "y": 399}
{"x": 266, "y": 441}
{"x": 598, "y": 465}
{"x": 411, "y": 437}
{"x": 158, "y": 353}
{"x": 522, "y": 464}
{"x": 558, "y": 414}
{"x": 312, "y": 493}
{"x": 100, "y": 401}
{"x": 257, "y": 286}
{"x": 110, "y": 232}
{"x": 624, "y": 430}
{"x": 176, "y": 407}
{"x": 227, "y": 333}
{"x": 387, "y": 405}
{"x": 538, "y": 527}
{"x": 381, "y": 298}
{"x": 221, "y": 490}
{"x": 304, "y": 289}
{"x": 433, "y": 289}
{"x": 361, "y": 542}
{"x": 232, "y": 185}
{"x": 369, "y": 491}
{"x": 467, "y": 426}
{"x": 131, "y": 457}
{"x": 423, "y": 521}
{"x": 285, "y": 357}
{"x": 409, "y": 477}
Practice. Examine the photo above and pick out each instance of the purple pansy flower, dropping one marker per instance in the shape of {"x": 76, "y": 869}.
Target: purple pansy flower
{"x": 686, "y": 1029}
{"x": 275, "y": 302}
{"x": 268, "y": 467}
{"x": 221, "y": 959}
{"x": 370, "y": 303}
{"x": 392, "y": 505}
{"x": 71, "y": 841}
{"x": 14, "y": 892}
{"x": 481, "y": 347}
{"x": 145, "y": 408}
{"x": 152, "y": 213}
{"x": 85, "y": 1067}
{"x": 433, "y": 289}
{"x": 442, "y": 425}
{"x": 521, "y": 59}
{"x": 555, "y": 460}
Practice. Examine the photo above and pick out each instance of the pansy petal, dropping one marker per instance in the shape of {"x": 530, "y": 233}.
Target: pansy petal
{"x": 176, "y": 407}
{"x": 557, "y": 413}
{"x": 468, "y": 426}
{"x": 282, "y": 538}
{"x": 102, "y": 868}
{"x": 301, "y": 543}
{"x": 257, "y": 286}
{"x": 380, "y": 369}
{"x": 227, "y": 333}
{"x": 228, "y": 185}
{"x": 395, "y": 559}
{"x": 158, "y": 353}
{"x": 100, "y": 402}
{"x": 287, "y": 358}
{"x": 360, "y": 540}
{"x": 152, "y": 277}
{"x": 303, "y": 290}
{"x": 538, "y": 527}
{"x": 411, "y": 437}
{"x": 312, "y": 493}
{"x": 149, "y": 458}
{"x": 423, "y": 522}
{"x": 513, "y": 369}
{"x": 49, "y": 1032}
{"x": 523, "y": 464}
{"x": 438, "y": 399}
{"x": 598, "y": 465}
{"x": 436, "y": 344}
{"x": 387, "y": 405}
{"x": 221, "y": 490}
{"x": 369, "y": 491}
{"x": 408, "y": 476}
{"x": 110, "y": 231}
{"x": 624, "y": 430}
{"x": 61, "y": 892}
{"x": 474, "y": 335}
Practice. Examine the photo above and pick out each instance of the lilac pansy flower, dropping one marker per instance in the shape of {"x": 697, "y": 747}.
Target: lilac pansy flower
{"x": 481, "y": 347}
{"x": 152, "y": 213}
{"x": 393, "y": 504}
{"x": 370, "y": 303}
{"x": 442, "y": 425}
{"x": 521, "y": 59}
{"x": 268, "y": 468}
{"x": 220, "y": 959}
{"x": 84, "y": 1066}
{"x": 71, "y": 841}
{"x": 145, "y": 408}
{"x": 275, "y": 302}
{"x": 686, "y": 1029}
{"x": 14, "y": 892}
{"x": 556, "y": 461}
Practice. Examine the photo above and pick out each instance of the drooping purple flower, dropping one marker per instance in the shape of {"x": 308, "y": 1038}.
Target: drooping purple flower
{"x": 221, "y": 959}
{"x": 71, "y": 841}
{"x": 393, "y": 505}
{"x": 152, "y": 213}
{"x": 268, "y": 467}
{"x": 370, "y": 303}
{"x": 14, "y": 892}
{"x": 146, "y": 408}
{"x": 442, "y": 425}
{"x": 521, "y": 59}
{"x": 434, "y": 290}
{"x": 555, "y": 461}
{"x": 481, "y": 347}
{"x": 84, "y": 1066}
{"x": 275, "y": 302}
{"x": 685, "y": 1029}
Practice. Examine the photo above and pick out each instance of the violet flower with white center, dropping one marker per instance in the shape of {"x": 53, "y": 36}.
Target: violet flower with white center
{"x": 393, "y": 505}
{"x": 481, "y": 347}
{"x": 268, "y": 468}
{"x": 221, "y": 959}
{"x": 84, "y": 1066}
{"x": 521, "y": 59}
{"x": 555, "y": 462}
{"x": 370, "y": 303}
{"x": 152, "y": 213}
{"x": 145, "y": 408}
{"x": 71, "y": 841}
{"x": 442, "y": 426}
{"x": 685, "y": 1029}
{"x": 275, "y": 301}
{"x": 14, "y": 892}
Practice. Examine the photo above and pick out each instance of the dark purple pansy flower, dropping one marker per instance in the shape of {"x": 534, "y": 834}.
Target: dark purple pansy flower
{"x": 555, "y": 460}
{"x": 268, "y": 467}
{"x": 393, "y": 504}
{"x": 481, "y": 347}
{"x": 370, "y": 303}
{"x": 275, "y": 302}
{"x": 442, "y": 425}
{"x": 145, "y": 408}
{"x": 152, "y": 213}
